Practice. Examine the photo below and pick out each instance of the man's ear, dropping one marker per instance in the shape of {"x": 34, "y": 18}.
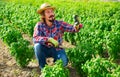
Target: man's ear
{"x": 43, "y": 13}
{"x": 42, "y": 16}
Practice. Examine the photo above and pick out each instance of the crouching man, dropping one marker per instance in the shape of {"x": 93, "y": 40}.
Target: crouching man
{"x": 48, "y": 34}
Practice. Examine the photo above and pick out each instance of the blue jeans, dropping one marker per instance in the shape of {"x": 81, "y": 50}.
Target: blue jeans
{"x": 42, "y": 52}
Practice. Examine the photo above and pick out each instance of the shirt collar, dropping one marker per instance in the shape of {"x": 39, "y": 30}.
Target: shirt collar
{"x": 53, "y": 26}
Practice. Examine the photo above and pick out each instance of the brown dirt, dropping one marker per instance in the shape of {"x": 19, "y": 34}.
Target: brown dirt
{"x": 9, "y": 68}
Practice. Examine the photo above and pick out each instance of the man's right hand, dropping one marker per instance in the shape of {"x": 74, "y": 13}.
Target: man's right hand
{"x": 53, "y": 41}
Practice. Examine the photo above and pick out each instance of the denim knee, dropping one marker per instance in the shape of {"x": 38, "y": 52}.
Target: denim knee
{"x": 37, "y": 46}
{"x": 62, "y": 55}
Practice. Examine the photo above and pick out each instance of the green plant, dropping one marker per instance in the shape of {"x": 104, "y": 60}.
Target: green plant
{"x": 115, "y": 73}
{"x": 79, "y": 55}
{"x": 113, "y": 44}
{"x": 9, "y": 35}
{"x": 22, "y": 52}
{"x": 98, "y": 67}
{"x": 56, "y": 70}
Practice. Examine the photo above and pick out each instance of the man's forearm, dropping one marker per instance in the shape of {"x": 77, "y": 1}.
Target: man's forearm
{"x": 39, "y": 39}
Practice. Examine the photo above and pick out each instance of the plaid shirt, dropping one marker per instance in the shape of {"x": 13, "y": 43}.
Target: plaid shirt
{"x": 42, "y": 32}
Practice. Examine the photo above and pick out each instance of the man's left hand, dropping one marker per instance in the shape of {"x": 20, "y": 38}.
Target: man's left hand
{"x": 78, "y": 26}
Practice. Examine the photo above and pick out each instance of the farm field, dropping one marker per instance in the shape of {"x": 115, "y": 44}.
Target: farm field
{"x": 93, "y": 52}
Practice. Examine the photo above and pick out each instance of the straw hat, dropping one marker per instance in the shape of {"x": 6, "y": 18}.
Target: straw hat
{"x": 44, "y": 7}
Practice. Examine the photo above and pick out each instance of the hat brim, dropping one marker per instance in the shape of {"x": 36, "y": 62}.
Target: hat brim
{"x": 41, "y": 10}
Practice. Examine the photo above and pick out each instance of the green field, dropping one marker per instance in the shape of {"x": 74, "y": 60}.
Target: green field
{"x": 97, "y": 51}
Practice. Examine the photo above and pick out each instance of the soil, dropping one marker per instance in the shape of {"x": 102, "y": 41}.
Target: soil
{"x": 9, "y": 68}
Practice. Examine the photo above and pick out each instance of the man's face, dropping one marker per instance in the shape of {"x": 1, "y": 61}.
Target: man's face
{"x": 49, "y": 15}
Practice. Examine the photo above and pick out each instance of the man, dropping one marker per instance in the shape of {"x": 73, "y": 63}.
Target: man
{"x": 48, "y": 36}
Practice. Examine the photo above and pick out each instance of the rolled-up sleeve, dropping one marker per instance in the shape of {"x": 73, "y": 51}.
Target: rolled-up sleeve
{"x": 38, "y": 36}
{"x": 68, "y": 28}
